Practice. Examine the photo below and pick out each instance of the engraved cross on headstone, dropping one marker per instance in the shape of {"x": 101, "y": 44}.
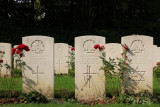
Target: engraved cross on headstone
{"x": 59, "y": 63}
{"x": 37, "y": 74}
{"x": 88, "y": 75}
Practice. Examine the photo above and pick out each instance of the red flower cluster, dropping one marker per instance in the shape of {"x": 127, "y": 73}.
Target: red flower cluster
{"x": 96, "y": 46}
{"x": 1, "y": 60}
{"x": 20, "y": 48}
{"x": 73, "y": 49}
{"x": 101, "y": 48}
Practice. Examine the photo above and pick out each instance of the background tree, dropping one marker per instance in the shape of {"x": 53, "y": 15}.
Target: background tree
{"x": 66, "y": 19}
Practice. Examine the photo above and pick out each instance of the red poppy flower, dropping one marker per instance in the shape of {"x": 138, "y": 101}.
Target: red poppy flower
{"x": 18, "y": 51}
{"x": 126, "y": 63}
{"x": 13, "y": 51}
{"x": 73, "y": 49}
{"x": 101, "y": 48}
{"x": 96, "y": 46}
{"x": 26, "y": 48}
{"x": 21, "y": 46}
{"x": 126, "y": 47}
{"x": 1, "y": 60}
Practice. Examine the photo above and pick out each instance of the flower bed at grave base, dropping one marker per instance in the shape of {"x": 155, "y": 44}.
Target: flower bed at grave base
{"x": 9, "y": 101}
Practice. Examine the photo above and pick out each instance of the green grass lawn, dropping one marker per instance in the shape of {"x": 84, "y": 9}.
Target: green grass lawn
{"x": 66, "y": 84}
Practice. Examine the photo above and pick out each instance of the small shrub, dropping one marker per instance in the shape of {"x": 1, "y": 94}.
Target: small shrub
{"x": 16, "y": 73}
{"x": 71, "y": 72}
{"x": 72, "y": 101}
{"x": 157, "y": 71}
{"x": 139, "y": 98}
{"x": 33, "y": 97}
{"x": 71, "y": 63}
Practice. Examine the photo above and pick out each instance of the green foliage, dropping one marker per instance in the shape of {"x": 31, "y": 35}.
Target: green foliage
{"x": 71, "y": 72}
{"x": 108, "y": 66}
{"x": 117, "y": 69}
{"x": 16, "y": 73}
{"x": 156, "y": 71}
{"x": 33, "y": 97}
{"x": 139, "y": 98}
{"x": 65, "y": 95}
{"x": 120, "y": 99}
{"x": 71, "y": 64}
{"x": 122, "y": 67}
{"x": 72, "y": 101}
{"x": 65, "y": 19}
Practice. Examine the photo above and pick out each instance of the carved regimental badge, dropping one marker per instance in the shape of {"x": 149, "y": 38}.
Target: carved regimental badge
{"x": 37, "y": 47}
{"x": 137, "y": 46}
{"x": 88, "y": 46}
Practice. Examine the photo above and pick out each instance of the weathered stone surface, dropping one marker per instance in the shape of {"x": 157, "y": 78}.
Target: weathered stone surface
{"x": 5, "y": 55}
{"x": 38, "y": 74}
{"x": 158, "y": 59}
{"x": 140, "y": 76}
{"x": 61, "y": 58}
{"x": 89, "y": 83}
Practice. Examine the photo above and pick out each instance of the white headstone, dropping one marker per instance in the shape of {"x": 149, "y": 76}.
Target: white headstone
{"x": 113, "y": 51}
{"x": 88, "y": 82}
{"x": 155, "y": 55}
{"x": 61, "y": 58}
{"x": 140, "y": 76}
{"x": 158, "y": 59}
{"x": 6, "y": 57}
{"x": 38, "y": 74}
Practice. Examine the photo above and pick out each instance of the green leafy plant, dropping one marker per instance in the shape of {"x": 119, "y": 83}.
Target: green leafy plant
{"x": 72, "y": 101}
{"x": 156, "y": 70}
{"x": 131, "y": 98}
{"x": 120, "y": 99}
{"x": 108, "y": 66}
{"x": 111, "y": 67}
{"x": 33, "y": 97}
{"x": 10, "y": 83}
{"x": 16, "y": 73}
{"x": 71, "y": 63}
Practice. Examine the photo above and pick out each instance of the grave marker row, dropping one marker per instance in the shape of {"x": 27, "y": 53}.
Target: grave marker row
{"x": 38, "y": 74}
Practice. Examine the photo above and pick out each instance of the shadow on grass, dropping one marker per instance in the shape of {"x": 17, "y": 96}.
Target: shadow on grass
{"x": 64, "y": 94}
